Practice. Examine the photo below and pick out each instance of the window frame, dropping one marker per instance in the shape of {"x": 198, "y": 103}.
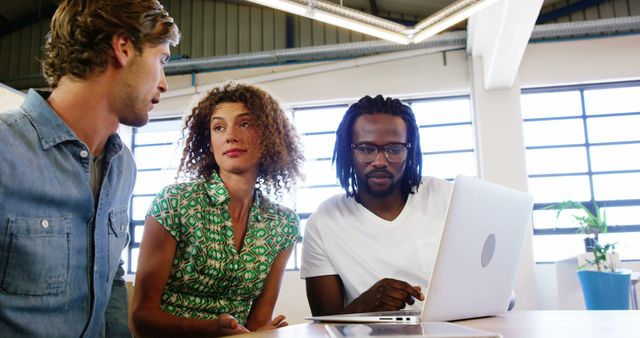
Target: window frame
{"x": 590, "y": 173}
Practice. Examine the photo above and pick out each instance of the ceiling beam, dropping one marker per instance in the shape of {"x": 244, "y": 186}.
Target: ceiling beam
{"x": 567, "y": 10}
{"x": 374, "y": 7}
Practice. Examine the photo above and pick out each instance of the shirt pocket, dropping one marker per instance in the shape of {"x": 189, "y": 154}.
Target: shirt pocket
{"x": 118, "y": 236}
{"x": 37, "y": 261}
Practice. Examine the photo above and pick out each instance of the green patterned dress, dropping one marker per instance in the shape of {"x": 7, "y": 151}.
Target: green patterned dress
{"x": 209, "y": 276}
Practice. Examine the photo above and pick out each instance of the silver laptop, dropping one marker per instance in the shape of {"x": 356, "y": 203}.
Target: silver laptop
{"x": 477, "y": 260}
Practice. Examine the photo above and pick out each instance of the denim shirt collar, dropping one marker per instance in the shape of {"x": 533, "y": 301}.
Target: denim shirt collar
{"x": 51, "y": 129}
{"x": 49, "y": 126}
{"x": 219, "y": 195}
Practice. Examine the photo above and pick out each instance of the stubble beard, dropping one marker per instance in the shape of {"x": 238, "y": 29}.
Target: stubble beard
{"x": 364, "y": 184}
{"x": 132, "y": 110}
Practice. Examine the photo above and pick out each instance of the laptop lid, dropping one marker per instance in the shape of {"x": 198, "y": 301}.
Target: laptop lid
{"x": 478, "y": 255}
{"x": 477, "y": 260}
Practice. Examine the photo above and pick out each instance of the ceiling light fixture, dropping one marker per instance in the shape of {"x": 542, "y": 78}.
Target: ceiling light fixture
{"x": 361, "y": 27}
{"x": 447, "y": 17}
{"x": 351, "y": 19}
{"x": 341, "y": 16}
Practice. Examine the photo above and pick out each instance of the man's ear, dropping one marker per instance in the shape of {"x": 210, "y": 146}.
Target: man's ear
{"x": 123, "y": 49}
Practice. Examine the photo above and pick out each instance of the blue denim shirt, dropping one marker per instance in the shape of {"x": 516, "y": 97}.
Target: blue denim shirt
{"x": 60, "y": 268}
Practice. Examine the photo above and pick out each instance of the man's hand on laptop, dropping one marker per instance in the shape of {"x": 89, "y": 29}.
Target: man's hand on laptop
{"x": 386, "y": 295}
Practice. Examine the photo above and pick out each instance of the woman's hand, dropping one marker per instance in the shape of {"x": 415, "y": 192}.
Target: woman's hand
{"x": 227, "y": 325}
{"x": 275, "y": 323}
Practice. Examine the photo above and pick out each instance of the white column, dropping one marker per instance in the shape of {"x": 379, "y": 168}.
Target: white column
{"x": 501, "y": 159}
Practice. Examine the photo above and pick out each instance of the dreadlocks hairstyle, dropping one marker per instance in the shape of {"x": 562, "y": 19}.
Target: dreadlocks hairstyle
{"x": 280, "y": 145}
{"x": 343, "y": 154}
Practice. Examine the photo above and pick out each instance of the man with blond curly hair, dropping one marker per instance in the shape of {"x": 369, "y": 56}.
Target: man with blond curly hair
{"x": 66, "y": 177}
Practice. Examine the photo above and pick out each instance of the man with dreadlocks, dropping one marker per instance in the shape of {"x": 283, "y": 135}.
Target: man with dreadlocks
{"x": 371, "y": 248}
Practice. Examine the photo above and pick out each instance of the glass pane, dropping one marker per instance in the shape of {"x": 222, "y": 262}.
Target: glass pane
{"x": 614, "y": 129}
{"x": 318, "y": 120}
{"x": 548, "y": 219}
{"x": 138, "y": 231}
{"x": 134, "y": 259}
{"x": 172, "y": 136}
{"x": 556, "y": 160}
{"x": 150, "y": 182}
{"x": 552, "y": 248}
{"x": 554, "y": 104}
{"x": 160, "y": 125}
{"x": 318, "y": 146}
{"x": 298, "y": 255}
{"x": 442, "y": 111}
{"x": 623, "y": 215}
{"x": 295, "y": 258}
{"x": 555, "y": 189}
{"x": 446, "y": 138}
{"x": 555, "y": 132}
{"x": 447, "y": 166}
{"x": 616, "y": 157}
{"x": 616, "y": 186}
{"x": 302, "y": 226}
{"x": 627, "y": 243}
{"x": 319, "y": 173}
{"x": 612, "y": 100}
{"x": 125, "y": 259}
{"x": 309, "y": 199}
{"x": 158, "y": 157}
{"x": 140, "y": 206}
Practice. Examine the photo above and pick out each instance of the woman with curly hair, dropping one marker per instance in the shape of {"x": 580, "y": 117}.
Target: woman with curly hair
{"x": 215, "y": 247}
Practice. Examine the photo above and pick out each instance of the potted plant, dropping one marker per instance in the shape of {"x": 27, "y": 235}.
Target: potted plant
{"x": 591, "y": 224}
{"x": 603, "y": 286}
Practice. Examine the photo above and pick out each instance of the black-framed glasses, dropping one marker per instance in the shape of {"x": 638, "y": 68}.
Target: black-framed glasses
{"x": 367, "y": 152}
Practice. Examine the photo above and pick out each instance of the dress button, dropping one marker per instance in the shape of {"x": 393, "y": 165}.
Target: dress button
{"x": 84, "y": 153}
{"x": 44, "y": 223}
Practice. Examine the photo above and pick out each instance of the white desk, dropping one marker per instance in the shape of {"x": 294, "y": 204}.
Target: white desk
{"x": 517, "y": 324}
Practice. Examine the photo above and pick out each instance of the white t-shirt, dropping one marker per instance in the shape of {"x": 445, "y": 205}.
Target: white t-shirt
{"x": 343, "y": 237}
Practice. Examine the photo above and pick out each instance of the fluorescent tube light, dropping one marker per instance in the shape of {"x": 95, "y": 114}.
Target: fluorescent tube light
{"x": 334, "y": 19}
{"x": 450, "y": 20}
{"x": 360, "y": 27}
{"x": 360, "y": 22}
{"x": 284, "y": 5}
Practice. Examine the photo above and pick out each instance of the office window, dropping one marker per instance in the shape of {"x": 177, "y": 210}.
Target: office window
{"x": 446, "y": 140}
{"x": 582, "y": 144}
{"x": 157, "y": 150}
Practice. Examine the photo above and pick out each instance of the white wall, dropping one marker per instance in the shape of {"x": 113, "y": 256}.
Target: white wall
{"x": 10, "y": 98}
{"x": 544, "y": 64}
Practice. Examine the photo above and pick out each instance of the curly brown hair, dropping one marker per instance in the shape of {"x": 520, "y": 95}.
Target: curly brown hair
{"x": 282, "y": 156}
{"x": 79, "y": 42}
